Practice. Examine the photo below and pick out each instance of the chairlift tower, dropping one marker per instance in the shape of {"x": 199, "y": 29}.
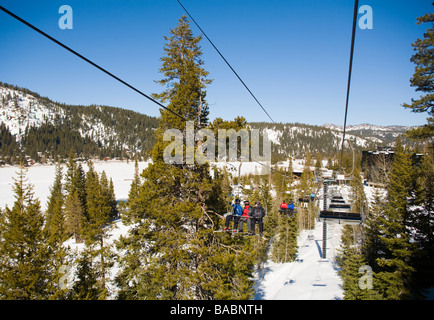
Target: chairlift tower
{"x": 338, "y": 211}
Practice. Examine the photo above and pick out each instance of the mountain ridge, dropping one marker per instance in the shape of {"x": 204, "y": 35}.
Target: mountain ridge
{"x": 36, "y": 126}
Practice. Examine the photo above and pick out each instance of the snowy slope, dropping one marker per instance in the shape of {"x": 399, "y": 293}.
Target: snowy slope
{"x": 309, "y": 277}
{"x": 379, "y": 134}
{"x": 19, "y": 110}
{"x": 108, "y": 127}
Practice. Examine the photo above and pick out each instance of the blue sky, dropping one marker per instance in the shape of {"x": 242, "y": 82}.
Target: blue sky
{"x": 293, "y": 55}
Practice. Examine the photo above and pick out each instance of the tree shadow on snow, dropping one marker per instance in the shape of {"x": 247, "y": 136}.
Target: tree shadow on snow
{"x": 259, "y": 288}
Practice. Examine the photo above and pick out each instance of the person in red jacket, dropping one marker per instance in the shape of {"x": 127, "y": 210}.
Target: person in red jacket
{"x": 245, "y": 217}
{"x": 283, "y": 207}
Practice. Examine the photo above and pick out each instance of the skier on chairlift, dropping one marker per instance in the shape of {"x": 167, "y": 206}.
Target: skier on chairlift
{"x": 258, "y": 214}
{"x": 246, "y": 217}
{"x": 237, "y": 212}
{"x": 291, "y": 208}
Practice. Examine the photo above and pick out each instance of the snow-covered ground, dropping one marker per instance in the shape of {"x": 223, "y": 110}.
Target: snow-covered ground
{"x": 117, "y": 230}
{"x": 309, "y": 277}
{"x": 121, "y": 172}
{"x": 42, "y": 178}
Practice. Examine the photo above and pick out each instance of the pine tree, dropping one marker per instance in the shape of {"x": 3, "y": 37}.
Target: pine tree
{"x": 423, "y": 78}
{"x": 98, "y": 205}
{"x": 172, "y": 252}
{"x": 133, "y": 204}
{"x": 55, "y": 216}
{"x": 421, "y": 215}
{"x": 75, "y": 220}
{"x": 371, "y": 244}
{"x": 351, "y": 259}
{"x": 422, "y": 221}
{"x": 182, "y": 68}
{"x": 285, "y": 247}
{"x": 99, "y": 208}
{"x": 306, "y": 187}
{"x": 86, "y": 286}
{"x": 357, "y": 196}
{"x": 75, "y": 200}
{"x": 394, "y": 232}
{"x": 27, "y": 266}
{"x": 75, "y": 181}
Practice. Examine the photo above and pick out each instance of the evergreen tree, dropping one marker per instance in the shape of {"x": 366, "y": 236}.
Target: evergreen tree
{"x": 133, "y": 204}
{"x": 75, "y": 220}
{"x": 27, "y": 265}
{"x": 371, "y": 244}
{"x": 75, "y": 200}
{"x": 172, "y": 252}
{"x": 182, "y": 69}
{"x": 306, "y": 187}
{"x": 75, "y": 181}
{"x": 285, "y": 240}
{"x": 421, "y": 215}
{"x": 100, "y": 209}
{"x": 394, "y": 232}
{"x": 422, "y": 221}
{"x": 97, "y": 206}
{"x": 86, "y": 286}
{"x": 423, "y": 78}
{"x": 111, "y": 199}
{"x": 55, "y": 216}
{"x": 357, "y": 195}
{"x": 350, "y": 260}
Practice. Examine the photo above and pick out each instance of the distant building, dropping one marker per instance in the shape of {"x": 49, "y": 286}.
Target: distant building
{"x": 376, "y": 164}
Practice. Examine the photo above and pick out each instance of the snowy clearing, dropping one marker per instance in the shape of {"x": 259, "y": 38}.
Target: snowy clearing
{"x": 42, "y": 178}
{"x": 309, "y": 277}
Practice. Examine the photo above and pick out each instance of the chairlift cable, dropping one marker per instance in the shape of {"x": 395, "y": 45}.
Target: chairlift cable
{"x": 224, "y": 59}
{"x": 87, "y": 60}
{"x": 353, "y": 37}
{"x": 98, "y": 67}
{"x": 158, "y": 103}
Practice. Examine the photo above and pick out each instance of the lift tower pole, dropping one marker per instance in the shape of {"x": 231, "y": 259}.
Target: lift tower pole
{"x": 324, "y": 227}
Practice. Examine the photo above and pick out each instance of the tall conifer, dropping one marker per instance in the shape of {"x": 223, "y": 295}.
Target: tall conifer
{"x": 55, "y": 216}
{"x": 423, "y": 78}
{"x": 394, "y": 232}
{"x": 27, "y": 265}
{"x": 173, "y": 253}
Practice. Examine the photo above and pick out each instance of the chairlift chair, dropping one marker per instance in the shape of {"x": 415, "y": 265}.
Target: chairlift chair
{"x": 288, "y": 212}
{"x": 341, "y": 217}
{"x": 338, "y": 211}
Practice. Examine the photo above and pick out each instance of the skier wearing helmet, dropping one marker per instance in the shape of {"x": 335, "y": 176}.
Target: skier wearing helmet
{"x": 237, "y": 212}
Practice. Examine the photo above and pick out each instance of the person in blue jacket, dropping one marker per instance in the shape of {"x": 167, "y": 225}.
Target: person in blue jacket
{"x": 237, "y": 212}
{"x": 291, "y": 208}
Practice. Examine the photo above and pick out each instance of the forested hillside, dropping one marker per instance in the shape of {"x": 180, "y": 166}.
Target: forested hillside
{"x": 42, "y": 129}
{"x": 35, "y": 126}
{"x": 296, "y": 139}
